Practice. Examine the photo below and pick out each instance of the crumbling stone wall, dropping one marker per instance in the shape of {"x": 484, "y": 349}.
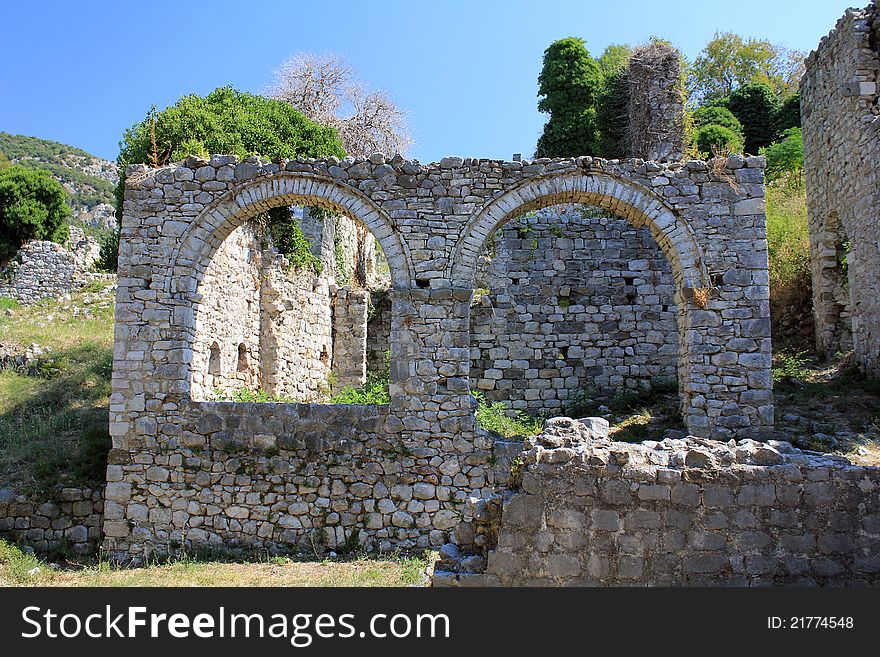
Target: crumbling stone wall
{"x": 43, "y": 269}
{"x": 74, "y": 521}
{"x": 656, "y": 103}
{"x": 841, "y": 128}
{"x": 574, "y": 299}
{"x": 593, "y": 512}
{"x": 431, "y": 223}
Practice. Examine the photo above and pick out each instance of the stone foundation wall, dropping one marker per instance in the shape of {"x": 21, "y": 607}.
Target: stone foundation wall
{"x": 576, "y": 299}
{"x": 592, "y": 512}
{"x": 841, "y": 128}
{"x": 74, "y": 521}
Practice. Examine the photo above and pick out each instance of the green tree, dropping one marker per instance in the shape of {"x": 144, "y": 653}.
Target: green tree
{"x": 4, "y": 162}
{"x": 756, "y": 107}
{"x": 785, "y": 158}
{"x": 233, "y": 123}
{"x": 789, "y": 114}
{"x": 612, "y": 106}
{"x": 713, "y": 138}
{"x": 32, "y": 206}
{"x": 569, "y": 83}
{"x": 728, "y": 61}
{"x": 717, "y": 115}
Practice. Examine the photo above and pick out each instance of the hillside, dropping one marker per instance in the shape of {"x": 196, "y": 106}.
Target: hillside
{"x": 88, "y": 179}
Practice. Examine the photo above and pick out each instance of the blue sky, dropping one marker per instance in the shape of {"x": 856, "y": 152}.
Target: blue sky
{"x": 466, "y": 71}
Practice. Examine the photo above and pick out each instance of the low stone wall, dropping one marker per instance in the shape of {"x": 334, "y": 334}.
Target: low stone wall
{"x": 71, "y": 522}
{"x": 593, "y": 512}
{"x": 285, "y": 478}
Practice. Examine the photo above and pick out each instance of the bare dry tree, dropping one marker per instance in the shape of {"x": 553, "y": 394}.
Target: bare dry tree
{"x": 326, "y": 89}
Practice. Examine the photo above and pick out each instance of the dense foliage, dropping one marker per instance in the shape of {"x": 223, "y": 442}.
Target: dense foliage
{"x": 789, "y": 114}
{"x": 715, "y": 139}
{"x": 235, "y": 123}
{"x": 32, "y": 206}
{"x": 717, "y": 115}
{"x": 569, "y": 83}
{"x": 728, "y": 62}
{"x": 785, "y": 158}
{"x": 756, "y": 107}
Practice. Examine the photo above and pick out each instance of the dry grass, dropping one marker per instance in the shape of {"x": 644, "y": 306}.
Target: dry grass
{"x": 20, "y": 569}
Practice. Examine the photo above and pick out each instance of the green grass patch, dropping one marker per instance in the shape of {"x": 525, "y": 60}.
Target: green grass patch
{"x": 373, "y": 391}
{"x": 18, "y": 569}
{"x": 496, "y": 417}
{"x": 54, "y": 417}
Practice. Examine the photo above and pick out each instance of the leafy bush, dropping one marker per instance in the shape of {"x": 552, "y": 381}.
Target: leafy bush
{"x": 789, "y": 114}
{"x": 374, "y": 391}
{"x": 494, "y": 417}
{"x": 790, "y": 365}
{"x": 712, "y": 139}
{"x": 785, "y": 158}
{"x": 32, "y": 206}
{"x": 108, "y": 259}
{"x": 756, "y": 107}
{"x": 717, "y": 115}
{"x": 225, "y": 121}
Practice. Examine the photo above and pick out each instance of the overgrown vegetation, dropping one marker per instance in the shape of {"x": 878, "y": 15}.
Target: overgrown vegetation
{"x": 235, "y": 123}
{"x": 497, "y": 417}
{"x": 373, "y": 391}
{"x": 54, "y": 415}
{"x": 32, "y": 206}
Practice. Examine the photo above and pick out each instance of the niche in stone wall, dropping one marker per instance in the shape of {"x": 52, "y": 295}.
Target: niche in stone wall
{"x": 283, "y": 308}
{"x": 574, "y": 313}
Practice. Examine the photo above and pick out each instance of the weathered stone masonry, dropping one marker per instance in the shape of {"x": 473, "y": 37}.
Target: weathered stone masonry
{"x": 593, "y": 512}
{"x": 840, "y": 93}
{"x": 170, "y": 472}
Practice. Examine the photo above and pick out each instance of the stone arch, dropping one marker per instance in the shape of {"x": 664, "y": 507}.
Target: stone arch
{"x": 212, "y": 226}
{"x": 631, "y": 201}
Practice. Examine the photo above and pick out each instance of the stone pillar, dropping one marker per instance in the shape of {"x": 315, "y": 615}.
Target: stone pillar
{"x": 350, "y": 337}
{"x": 656, "y": 103}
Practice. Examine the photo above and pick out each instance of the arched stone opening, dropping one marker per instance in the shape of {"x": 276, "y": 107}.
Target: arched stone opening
{"x": 299, "y": 333}
{"x": 621, "y": 199}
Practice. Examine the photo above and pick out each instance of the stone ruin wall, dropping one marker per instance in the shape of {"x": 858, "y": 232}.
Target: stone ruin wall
{"x": 656, "y": 118}
{"x": 43, "y": 269}
{"x": 577, "y": 300}
{"x": 840, "y": 92}
{"x": 264, "y": 326}
{"x": 72, "y": 520}
{"x": 593, "y": 512}
{"x": 178, "y": 465}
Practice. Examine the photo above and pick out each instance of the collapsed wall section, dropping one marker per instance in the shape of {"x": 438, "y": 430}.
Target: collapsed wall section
{"x": 593, "y": 512}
